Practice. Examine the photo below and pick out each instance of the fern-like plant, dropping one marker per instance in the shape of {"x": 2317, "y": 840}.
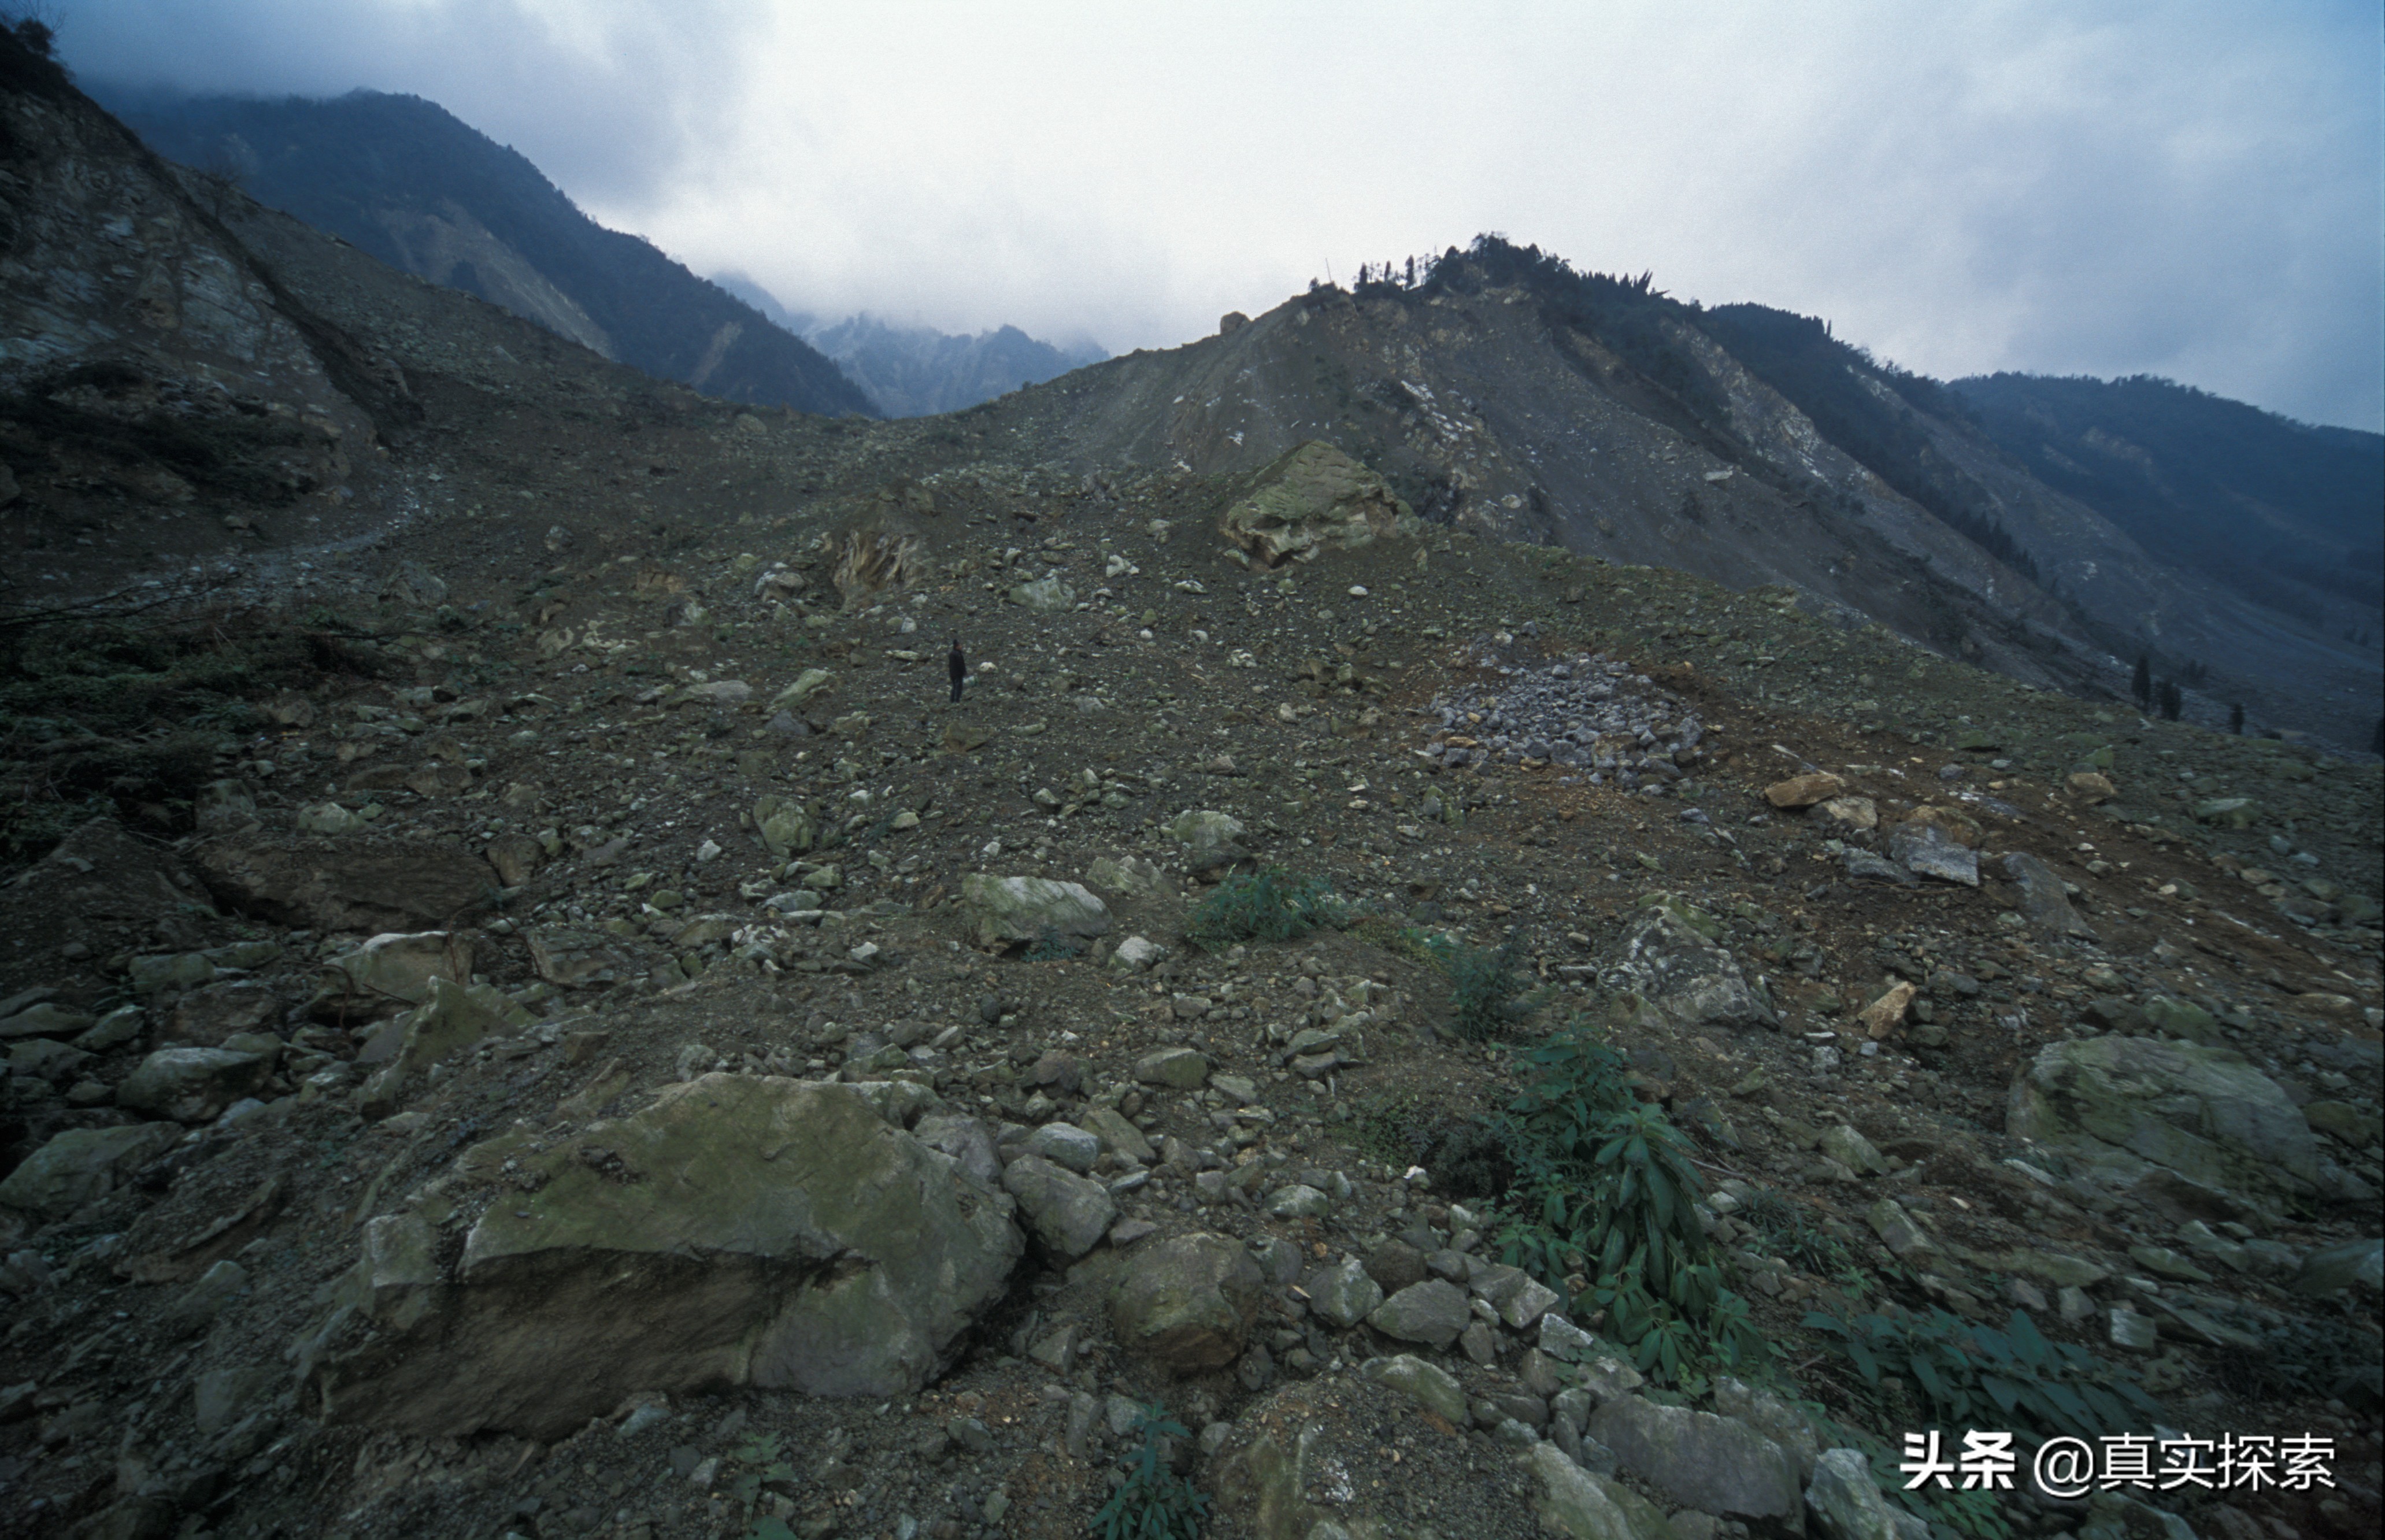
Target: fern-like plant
{"x": 1154, "y": 1502}
{"x": 1604, "y": 1182}
{"x": 1973, "y": 1376}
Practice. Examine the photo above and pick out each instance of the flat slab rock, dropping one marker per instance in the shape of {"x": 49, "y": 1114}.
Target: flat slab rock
{"x": 1713, "y": 1464}
{"x": 740, "y": 1231}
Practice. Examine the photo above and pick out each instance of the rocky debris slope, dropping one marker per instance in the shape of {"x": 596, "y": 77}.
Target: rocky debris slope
{"x": 819, "y": 1038}
{"x": 592, "y": 1039}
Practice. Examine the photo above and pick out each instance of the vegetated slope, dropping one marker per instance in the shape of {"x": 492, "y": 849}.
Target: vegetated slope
{"x": 405, "y": 179}
{"x": 2292, "y": 515}
{"x": 1509, "y": 392}
{"x": 918, "y": 370}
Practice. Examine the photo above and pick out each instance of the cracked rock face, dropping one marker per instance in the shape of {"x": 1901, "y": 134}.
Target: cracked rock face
{"x": 1670, "y": 959}
{"x": 2128, "y": 1102}
{"x": 741, "y": 1231}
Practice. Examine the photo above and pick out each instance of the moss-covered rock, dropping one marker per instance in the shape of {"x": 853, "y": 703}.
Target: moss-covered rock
{"x": 1005, "y": 912}
{"x": 786, "y": 828}
{"x": 1671, "y": 958}
{"x": 83, "y": 1165}
{"x": 1312, "y": 500}
{"x": 2126, "y": 1102}
{"x": 742, "y": 1230}
{"x": 1187, "y": 1304}
{"x": 193, "y": 1085}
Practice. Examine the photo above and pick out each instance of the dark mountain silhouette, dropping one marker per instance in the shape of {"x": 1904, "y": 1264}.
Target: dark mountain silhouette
{"x": 405, "y": 180}
{"x": 2286, "y": 513}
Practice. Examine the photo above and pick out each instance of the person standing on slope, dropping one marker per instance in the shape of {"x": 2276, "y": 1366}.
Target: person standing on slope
{"x": 957, "y": 666}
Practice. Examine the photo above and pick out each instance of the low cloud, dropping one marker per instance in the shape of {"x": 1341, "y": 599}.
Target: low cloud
{"x": 2183, "y": 190}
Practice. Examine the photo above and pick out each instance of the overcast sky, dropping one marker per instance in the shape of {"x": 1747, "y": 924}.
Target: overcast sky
{"x": 2182, "y": 189}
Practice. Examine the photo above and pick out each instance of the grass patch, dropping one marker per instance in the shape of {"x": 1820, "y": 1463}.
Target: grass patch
{"x": 1272, "y": 905}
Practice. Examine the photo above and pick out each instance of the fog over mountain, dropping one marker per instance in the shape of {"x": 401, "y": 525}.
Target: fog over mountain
{"x": 2188, "y": 191}
{"x": 916, "y": 371}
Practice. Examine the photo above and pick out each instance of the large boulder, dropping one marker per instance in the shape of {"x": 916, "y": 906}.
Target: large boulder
{"x": 1005, "y": 912}
{"x": 786, "y": 825}
{"x": 1672, "y": 958}
{"x": 2044, "y": 902}
{"x": 1343, "y": 1295}
{"x": 327, "y": 887}
{"x": 1049, "y": 592}
{"x": 1575, "y": 1504}
{"x": 740, "y": 1231}
{"x": 193, "y": 1085}
{"x": 1129, "y": 876}
{"x": 1212, "y": 841}
{"x": 2123, "y": 1104}
{"x": 1926, "y": 849}
{"x": 1433, "y": 1312}
{"x": 576, "y": 959}
{"x": 1713, "y": 1464}
{"x": 1845, "y": 1501}
{"x": 1312, "y": 500}
{"x": 1188, "y": 1303}
{"x": 83, "y": 1165}
{"x": 1068, "y": 1213}
{"x": 390, "y": 970}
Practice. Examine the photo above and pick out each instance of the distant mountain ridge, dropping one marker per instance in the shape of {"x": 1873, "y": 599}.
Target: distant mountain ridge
{"x": 916, "y": 371}
{"x": 2288, "y": 514}
{"x": 404, "y": 181}
{"x": 1502, "y": 390}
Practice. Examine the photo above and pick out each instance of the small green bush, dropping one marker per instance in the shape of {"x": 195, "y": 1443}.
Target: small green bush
{"x": 1154, "y": 1502}
{"x": 1603, "y": 1188}
{"x": 1266, "y": 906}
{"x": 1782, "y": 1230}
{"x": 1484, "y": 984}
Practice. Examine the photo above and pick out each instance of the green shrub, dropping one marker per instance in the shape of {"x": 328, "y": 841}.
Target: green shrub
{"x": 1782, "y": 1230}
{"x": 1972, "y": 1376}
{"x": 1154, "y": 1502}
{"x": 1395, "y": 935}
{"x": 1484, "y": 984}
{"x": 1052, "y": 947}
{"x": 1603, "y": 1189}
{"x": 1266, "y": 906}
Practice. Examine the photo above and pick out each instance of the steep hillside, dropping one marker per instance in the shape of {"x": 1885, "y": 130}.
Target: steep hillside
{"x": 403, "y": 179}
{"x": 916, "y": 371}
{"x": 1510, "y": 394}
{"x": 2291, "y": 515}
